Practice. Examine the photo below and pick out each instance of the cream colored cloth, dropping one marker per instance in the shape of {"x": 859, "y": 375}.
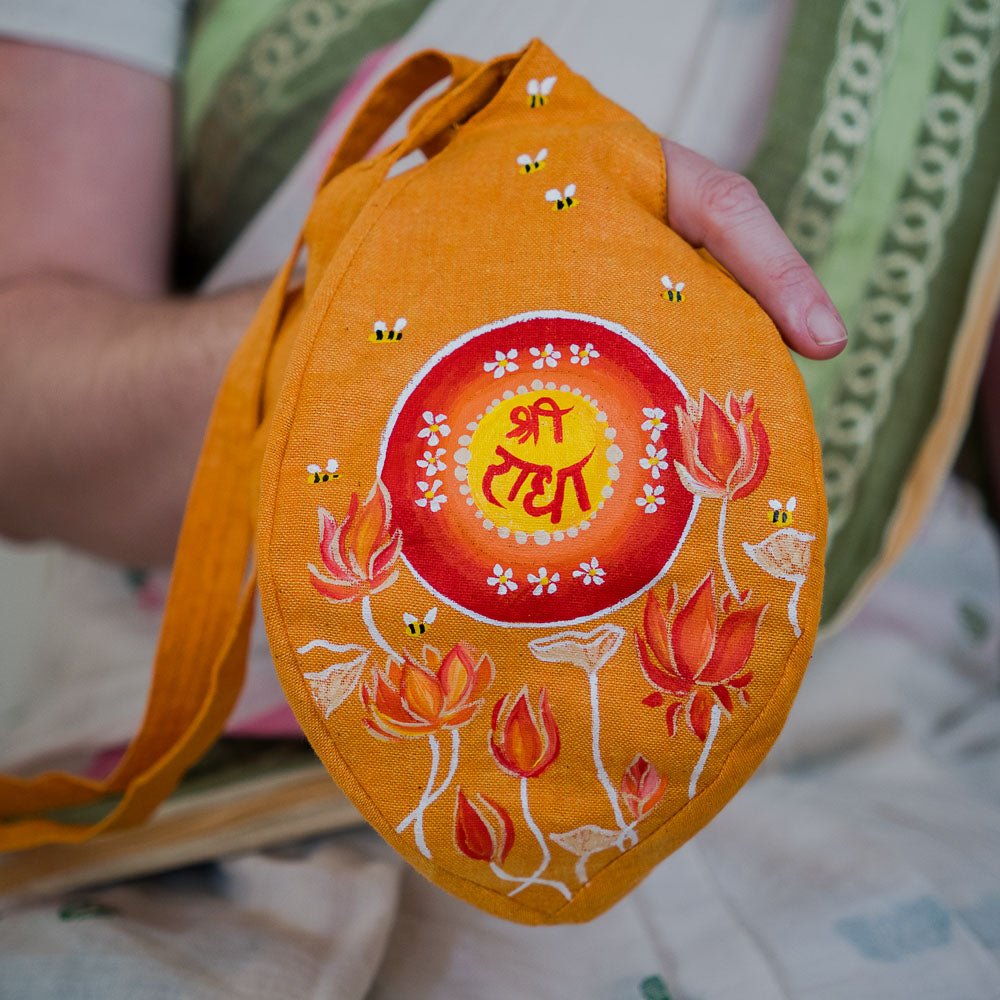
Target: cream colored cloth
{"x": 285, "y": 924}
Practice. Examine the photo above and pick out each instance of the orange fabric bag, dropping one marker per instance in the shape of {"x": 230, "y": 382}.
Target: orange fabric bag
{"x": 538, "y": 506}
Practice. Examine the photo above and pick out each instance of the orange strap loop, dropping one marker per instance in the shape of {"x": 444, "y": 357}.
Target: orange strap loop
{"x": 388, "y": 102}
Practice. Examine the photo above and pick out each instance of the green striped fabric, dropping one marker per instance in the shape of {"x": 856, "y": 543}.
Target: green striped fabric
{"x": 881, "y": 161}
{"x": 257, "y": 80}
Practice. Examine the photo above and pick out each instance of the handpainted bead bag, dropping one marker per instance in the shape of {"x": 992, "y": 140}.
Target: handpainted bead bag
{"x": 537, "y": 499}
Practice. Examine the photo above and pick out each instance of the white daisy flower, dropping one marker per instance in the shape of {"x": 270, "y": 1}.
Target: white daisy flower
{"x": 502, "y": 579}
{"x": 431, "y": 463}
{"x": 429, "y": 495}
{"x": 504, "y": 363}
{"x": 652, "y": 498}
{"x": 437, "y": 427}
{"x": 655, "y": 460}
{"x": 656, "y": 425}
{"x": 582, "y": 355}
{"x": 543, "y": 581}
{"x": 548, "y": 355}
{"x": 590, "y": 572}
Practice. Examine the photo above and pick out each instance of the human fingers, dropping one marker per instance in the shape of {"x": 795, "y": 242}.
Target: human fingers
{"x": 721, "y": 211}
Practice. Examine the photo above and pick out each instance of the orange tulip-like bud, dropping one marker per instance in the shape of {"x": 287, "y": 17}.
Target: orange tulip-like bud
{"x": 686, "y": 652}
{"x": 484, "y": 830}
{"x": 360, "y": 553}
{"x": 422, "y": 696}
{"x": 724, "y": 451}
{"x": 522, "y": 744}
{"x": 642, "y": 787}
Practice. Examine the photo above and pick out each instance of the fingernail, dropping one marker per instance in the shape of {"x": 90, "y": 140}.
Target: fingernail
{"x": 825, "y": 326}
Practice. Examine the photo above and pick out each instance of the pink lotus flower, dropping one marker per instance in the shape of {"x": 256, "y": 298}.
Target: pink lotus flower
{"x": 725, "y": 452}
{"x": 414, "y": 698}
{"x": 642, "y": 787}
{"x": 358, "y": 554}
{"x": 483, "y": 831}
{"x": 688, "y": 654}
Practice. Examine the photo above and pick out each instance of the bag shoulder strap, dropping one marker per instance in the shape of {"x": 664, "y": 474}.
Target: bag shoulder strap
{"x": 391, "y": 98}
{"x": 201, "y": 657}
{"x": 198, "y": 669}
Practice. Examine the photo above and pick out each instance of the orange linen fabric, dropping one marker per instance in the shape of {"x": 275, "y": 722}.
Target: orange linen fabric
{"x": 541, "y": 533}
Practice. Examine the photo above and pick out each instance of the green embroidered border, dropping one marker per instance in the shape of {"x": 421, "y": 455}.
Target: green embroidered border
{"x": 243, "y": 131}
{"x": 903, "y": 294}
{"x": 837, "y": 61}
{"x": 913, "y": 303}
{"x": 880, "y": 168}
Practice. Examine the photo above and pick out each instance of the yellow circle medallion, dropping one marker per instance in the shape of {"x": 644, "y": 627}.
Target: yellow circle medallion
{"x": 540, "y": 462}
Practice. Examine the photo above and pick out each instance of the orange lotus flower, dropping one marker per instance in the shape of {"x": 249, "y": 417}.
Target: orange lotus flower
{"x": 724, "y": 451}
{"x": 414, "y": 698}
{"x": 687, "y": 653}
{"x": 359, "y": 554}
{"x": 642, "y": 787}
{"x": 483, "y": 831}
{"x": 522, "y": 744}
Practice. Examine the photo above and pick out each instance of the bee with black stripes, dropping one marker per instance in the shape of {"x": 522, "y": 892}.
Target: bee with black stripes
{"x": 416, "y": 626}
{"x": 382, "y": 333}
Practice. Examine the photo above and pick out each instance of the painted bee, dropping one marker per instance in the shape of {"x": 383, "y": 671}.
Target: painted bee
{"x": 781, "y": 513}
{"x": 527, "y": 165}
{"x": 538, "y": 93}
{"x": 318, "y": 475}
{"x": 672, "y": 292}
{"x": 562, "y": 199}
{"x": 381, "y": 333}
{"x": 416, "y": 627}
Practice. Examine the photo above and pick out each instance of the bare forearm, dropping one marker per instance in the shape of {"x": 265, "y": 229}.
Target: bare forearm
{"x": 104, "y": 402}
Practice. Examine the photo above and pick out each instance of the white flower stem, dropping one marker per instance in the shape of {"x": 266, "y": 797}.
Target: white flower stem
{"x": 501, "y": 874}
{"x": 602, "y": 774}
{"x": 452, "y": 768}
{"x": 730, "y": 582}
{"x": 428, "y": 800}
{"x": 417, "y": 816}
{"x": 628, "y": 834}
{"x": 713, "y": 728}
{"x": 793, "y": 606}
{"x": 534, "y": 879}
{"x": 369, "y": 620}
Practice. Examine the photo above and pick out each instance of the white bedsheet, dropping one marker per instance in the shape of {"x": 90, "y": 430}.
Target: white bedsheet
{"x": 862, "y": 861}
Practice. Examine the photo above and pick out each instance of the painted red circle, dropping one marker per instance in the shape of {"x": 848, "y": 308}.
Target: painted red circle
{"x": 510, "y": 423}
